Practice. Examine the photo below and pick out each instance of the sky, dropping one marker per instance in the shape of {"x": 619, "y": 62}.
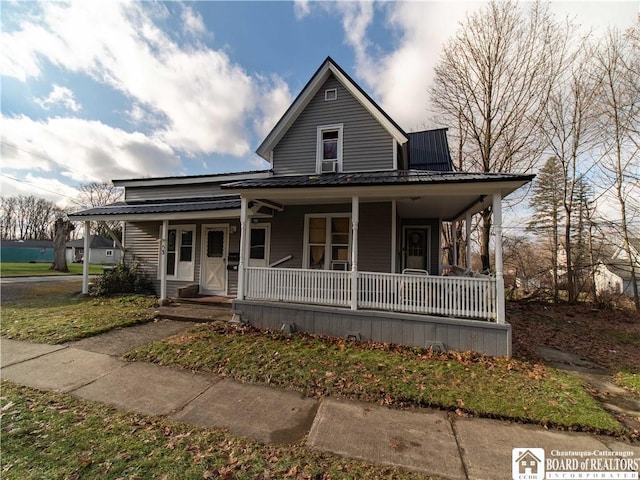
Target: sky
{"x": 95, "y": 91}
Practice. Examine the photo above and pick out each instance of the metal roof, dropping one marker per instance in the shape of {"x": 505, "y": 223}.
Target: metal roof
{"x": 393, "y": 177}
{"x": 95, "y": 241}
{"x": 429, "y": 150}
{"x": 228, "y": 202}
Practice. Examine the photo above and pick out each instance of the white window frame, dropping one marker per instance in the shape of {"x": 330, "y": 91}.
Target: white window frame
{"x": 320, "y": 146}
{"x": 108, "y": 253}
{"x": 267, "y": 242}
{"x": 327, "y": 243}
{"x": 330, "y": 94}
{"x": 184, "y": 272}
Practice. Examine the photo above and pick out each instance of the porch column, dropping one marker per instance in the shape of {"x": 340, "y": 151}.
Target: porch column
{"x": 497, "y": 225}
{"x": 454, "y": 241}
{"x": 355, "y": 218}
{"x": 467, "y": 226}
{"x": 85, "y": 258}
{"x": 164, "y": 241}
{"x": 243, "y": 242}
{"x": 394, "y": 247}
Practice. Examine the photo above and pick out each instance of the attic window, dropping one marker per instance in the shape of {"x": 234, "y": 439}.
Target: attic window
{"x": 331, "y": 94}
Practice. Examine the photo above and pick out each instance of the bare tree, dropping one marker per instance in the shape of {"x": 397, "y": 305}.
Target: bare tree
{"x": 568, "y": 126}
{"x": 492, "y": 82}
{"x": 99, "y": 194}
{"x": 27, "y": 217}
{"x": 618, "y": 60}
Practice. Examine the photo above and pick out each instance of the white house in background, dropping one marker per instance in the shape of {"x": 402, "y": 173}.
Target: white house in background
{"x": 102, "y": 251}
{"x": 614, "y": 275}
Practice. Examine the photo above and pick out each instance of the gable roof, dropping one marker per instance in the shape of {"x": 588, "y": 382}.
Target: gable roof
{"x": 95, "y": 241}
{"x": 328, "y": 67}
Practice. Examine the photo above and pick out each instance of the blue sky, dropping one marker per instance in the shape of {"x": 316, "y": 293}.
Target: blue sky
{"x": 93, "y": 91}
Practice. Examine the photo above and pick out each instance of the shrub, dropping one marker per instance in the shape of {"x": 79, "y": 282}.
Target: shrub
{"x": 122, "y": 278}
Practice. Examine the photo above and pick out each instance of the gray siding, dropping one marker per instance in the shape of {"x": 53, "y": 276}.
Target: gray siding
{"x": 366, "y": 144}
{"x": 398, "y": 328}
{"x": 141, "y": 242}
{"x": 172, "y": 192}
{"x": 374, "y": 234}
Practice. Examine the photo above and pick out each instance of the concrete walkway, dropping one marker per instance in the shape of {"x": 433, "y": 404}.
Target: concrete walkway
{"x": 423, "y": 440}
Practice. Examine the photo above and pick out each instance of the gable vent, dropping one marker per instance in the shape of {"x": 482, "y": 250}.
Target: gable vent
{"x": 331, "y": 94}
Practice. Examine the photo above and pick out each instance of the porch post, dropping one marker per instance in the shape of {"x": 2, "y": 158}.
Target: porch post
{"x": 394, "y": 246}
{"x": 85, "y": 258}
{"x": 243, "y": 241}
{"x": 497, "y": 225}
{"x": 467, "y": 226}
{"x": 164, "y": 241}
{"x": 454, "y": 241}
{"x": 355, "y": 218}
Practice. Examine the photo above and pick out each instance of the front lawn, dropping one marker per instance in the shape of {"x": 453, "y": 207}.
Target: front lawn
{"x": 60, "y": 316}
{"x": 38, "y": 269}
{"x": 391, "y": 375}
{"x": 630, "y": 381}
{"x": 49, "y": 435}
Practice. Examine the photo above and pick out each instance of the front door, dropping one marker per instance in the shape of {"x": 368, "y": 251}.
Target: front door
{"x": 416, "y": 248}
{"x": 213, "y": 278}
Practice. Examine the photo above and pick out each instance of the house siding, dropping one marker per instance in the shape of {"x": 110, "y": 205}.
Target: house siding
{"x": 374, "y": 234}
{"x": 172, "y": 192}
{"x": 366, "y": 143}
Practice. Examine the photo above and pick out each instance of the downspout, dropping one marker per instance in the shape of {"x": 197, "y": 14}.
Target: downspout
{"x": 355, "y": 214}
{"x": 497, "y": 225}
{"x": 85, "y": 259}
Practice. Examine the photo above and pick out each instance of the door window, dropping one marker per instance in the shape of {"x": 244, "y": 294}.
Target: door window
{"x": 215, "y": 243}
{"x": 180, "y": 258}
{"x": 257, "y": 248}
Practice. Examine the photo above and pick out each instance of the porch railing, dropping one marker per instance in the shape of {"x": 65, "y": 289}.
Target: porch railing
{"x": 466, "y": 297}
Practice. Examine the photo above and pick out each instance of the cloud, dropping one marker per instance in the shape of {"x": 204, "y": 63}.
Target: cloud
{"x": 274, "y": 101}
{"x": 59, "y": 95}
{"x": 206, "y": 100}
{"x": 46, "y": 187}
{"x": 301, "y": 8}
{"x": 192, "y": 22}
{"x": 81, "y": 150}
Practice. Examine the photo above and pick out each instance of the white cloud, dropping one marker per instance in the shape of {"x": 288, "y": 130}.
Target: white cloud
{"x": 205, "y": 98}
{"x": 81, "y": 150}
{"x": 301, "y": 8}
{"x": 44, "y": 187}
{"x": 192, "y": 22}
{"x": 59, "y": 96}
{"x": 274, "y": 101}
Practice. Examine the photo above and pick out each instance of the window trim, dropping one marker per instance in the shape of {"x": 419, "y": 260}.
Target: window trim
{"x": 108, "y": 253}
{"x": 339, "y": 127}
{"x": 267, "y": 241}
{"x": 330, "y": 94}
{"x": 190, "y": 274}
{"x": 327, "y": 245}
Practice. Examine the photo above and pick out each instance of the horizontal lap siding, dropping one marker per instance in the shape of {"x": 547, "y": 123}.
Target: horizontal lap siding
{"x": 172, "y": 192}
{"x": 366, "y": 144}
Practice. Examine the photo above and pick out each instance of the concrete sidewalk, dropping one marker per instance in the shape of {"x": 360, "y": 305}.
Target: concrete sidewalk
{"x": 423, "y": 440}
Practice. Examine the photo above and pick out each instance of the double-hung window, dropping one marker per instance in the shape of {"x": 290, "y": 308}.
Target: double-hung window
{"x": 327, "y": 241}
{"x": 180, "y": 253}
{"x": 329, "y": 149}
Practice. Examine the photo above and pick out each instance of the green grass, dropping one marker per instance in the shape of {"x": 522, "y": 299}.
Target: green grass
{"x": 59, "y": 316}
{"x": 390, "y": 375}
{"x": 50, "y": 435}
{"x": 35, "y": 269}
{"x": 628, "y": 380}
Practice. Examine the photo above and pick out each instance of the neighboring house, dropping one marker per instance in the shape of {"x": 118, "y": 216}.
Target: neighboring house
{"x": 26, "y": 251}
{"x": 342, "y": 236}
{"x": 613, "y": 275}
{"x": 102, "y": 250}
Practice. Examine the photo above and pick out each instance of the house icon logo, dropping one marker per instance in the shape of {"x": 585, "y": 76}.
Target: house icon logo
{"x": 527, "y": 463}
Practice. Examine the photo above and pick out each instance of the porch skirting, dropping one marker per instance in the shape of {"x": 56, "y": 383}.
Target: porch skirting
{"x": 400, "y": 328}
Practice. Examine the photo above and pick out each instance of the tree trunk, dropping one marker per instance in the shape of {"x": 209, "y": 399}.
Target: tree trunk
{"x": 62, "y": 229}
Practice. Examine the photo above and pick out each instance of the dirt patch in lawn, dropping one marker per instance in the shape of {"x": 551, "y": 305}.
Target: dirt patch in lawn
{"x": 609, "y": 338}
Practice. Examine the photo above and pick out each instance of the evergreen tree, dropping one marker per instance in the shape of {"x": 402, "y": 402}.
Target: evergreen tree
{"x": 547, "y": 203}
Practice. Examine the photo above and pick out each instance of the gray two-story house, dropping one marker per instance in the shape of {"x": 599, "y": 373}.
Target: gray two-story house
{"x": 341, "y": 236}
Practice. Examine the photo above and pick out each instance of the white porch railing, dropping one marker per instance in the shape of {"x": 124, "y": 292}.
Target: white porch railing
{"x": 466, "y": 297}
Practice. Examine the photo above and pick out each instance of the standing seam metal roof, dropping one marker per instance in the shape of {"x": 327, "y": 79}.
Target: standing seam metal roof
{"x": 229, "y": 202}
